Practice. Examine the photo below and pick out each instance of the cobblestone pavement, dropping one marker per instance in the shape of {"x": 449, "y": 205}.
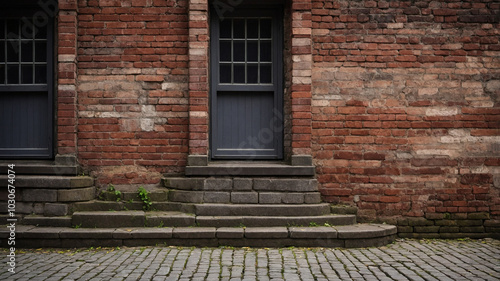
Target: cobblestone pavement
{"x": 403, "y": 260}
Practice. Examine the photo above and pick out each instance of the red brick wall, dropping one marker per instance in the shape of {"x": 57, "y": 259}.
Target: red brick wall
{"x": 406, "y": 107}
{"x": 132, "y": 89}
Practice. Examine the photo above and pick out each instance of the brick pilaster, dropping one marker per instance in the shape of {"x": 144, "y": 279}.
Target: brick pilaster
{"x": 198, "y": 77}
{"x": 66, "y": 77}
{"x": 301, "y": 77}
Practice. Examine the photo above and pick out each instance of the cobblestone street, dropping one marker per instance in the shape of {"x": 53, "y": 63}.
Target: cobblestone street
{"x": 402, "y": 260}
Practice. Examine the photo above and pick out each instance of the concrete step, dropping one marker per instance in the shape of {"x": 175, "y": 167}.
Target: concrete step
{"x": 102, "y": 219}
{"x": 98, "y": 205}
{"x": 360, "y": 235}
{"x": 264, "y": 221}
{"x": 155, "y": 196}
{"x": 41, "y": 168}
{"x": 247, "y": 168}
{"x": 244, "y": 197}
{"x": 242, "y": 184}
{"x": 261, "y": 210}
{"x": 48, "y": 182}
{"x": 47, "y": 221}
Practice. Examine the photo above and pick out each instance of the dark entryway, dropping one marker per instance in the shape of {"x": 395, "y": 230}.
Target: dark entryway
{"x": 26, "y": 83}
{"x": 246, "y": 85}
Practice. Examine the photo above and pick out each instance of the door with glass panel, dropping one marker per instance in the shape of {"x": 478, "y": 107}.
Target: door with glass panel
{"x": 246, "y": 86}
{"x": 26, "y": 83}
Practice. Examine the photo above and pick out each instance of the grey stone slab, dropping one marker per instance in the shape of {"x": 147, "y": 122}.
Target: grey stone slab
{"x": 312, "y": 198}
{"x": 178, "y": 219}
{"x": 109, "y": 219}
{"x": 47, "y": 221}
{"x": 301, "y": 160}
{"x": 86, "y": 233}
{"x": 242, "y": 184}
{"x": 123, "y": 233}
{"x": 76, "y": 194}
{"x": 285, "y": 185}
{"x": 266, "y": 232}
{"x": 184, "y": 183}
{"x": 218, "y": 184}
{"x": 56, "y": 209}
{"x": 39, "y": 195}
{"x": 194, "y": 232}
{"x": 42, "y": 169}
{"x": 244, "y": 197}
{"x": 42, "y": 181}
{"x": 269, "y": 197}
{"x": 261, "y": 210}
{"x": 197, "y": 160}
{"x": 292, "y": 198}
{"x": 359, "y": 231}
{"x": 186, "y": 196}
{"x": 40, "y": 233}
{"x": 153, "y": 233}
{"x": 248, "y": 169}
{"x": 230, "y": 233}
{"x": 213, "y": 221}
{"x": 321, "y": 232}
{"x": 216, "y": 197}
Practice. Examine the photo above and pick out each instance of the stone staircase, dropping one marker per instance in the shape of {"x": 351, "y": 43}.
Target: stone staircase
{"x": 47, "y": 188}
{"x": 203, "y": 210}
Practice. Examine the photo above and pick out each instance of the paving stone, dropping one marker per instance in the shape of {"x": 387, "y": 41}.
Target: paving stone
{"x": 266, "y": 232}
{"x": 244, "y": 197}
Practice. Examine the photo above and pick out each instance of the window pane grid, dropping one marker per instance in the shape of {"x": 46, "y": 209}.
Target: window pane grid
{"x": 23, "y": 47}
{"x": 245, "y": 51}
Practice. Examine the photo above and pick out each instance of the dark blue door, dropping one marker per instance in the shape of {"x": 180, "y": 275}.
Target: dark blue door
{"x": 246, "y": 86}
{"x": 26, "y": 83}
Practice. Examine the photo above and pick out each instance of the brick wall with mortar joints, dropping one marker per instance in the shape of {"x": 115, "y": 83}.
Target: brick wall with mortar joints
{"x": 66, "y": 78}
{"x": 132, "y": 89}
{"x": 406, "y": 97}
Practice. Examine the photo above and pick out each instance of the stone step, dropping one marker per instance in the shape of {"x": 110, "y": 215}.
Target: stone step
{"x": 155, "y": 196}
{"x": 98, "y": 205}
{"x": 242, "y": 184}
{"x": 247, "y": 168}
{"x": 244, "y": 197}
{"x": 40, "y": 168}
{"x": 264, "y": 221}
{"x": 261, "y": 210}
{"x": 96, "y": 219}
{"x": 48, "y": 182}
{"x": 360, "y": 235}
{"x": 47, "y": 221}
